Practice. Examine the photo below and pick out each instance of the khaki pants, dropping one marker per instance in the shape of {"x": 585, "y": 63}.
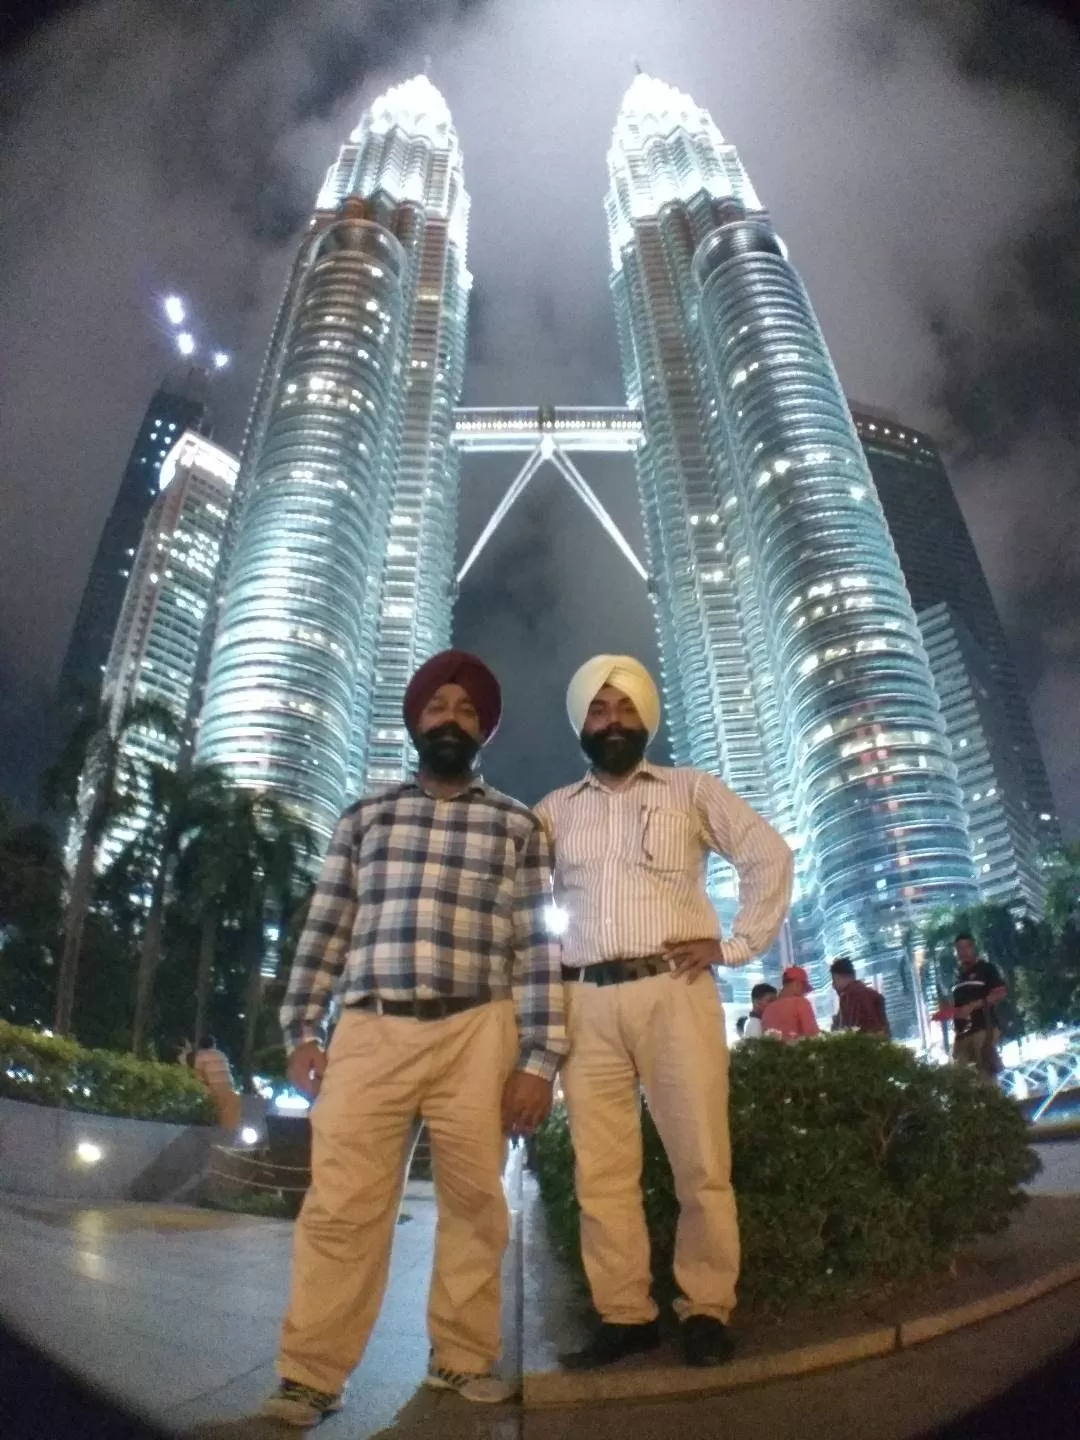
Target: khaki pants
{"x": 381, "y": 1074}
{"x": 666, "y": 1036}
{"x": 977, "y": 1049}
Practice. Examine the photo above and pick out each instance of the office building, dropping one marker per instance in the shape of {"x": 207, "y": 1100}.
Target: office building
{"x": 942, "y": 567}
{"x": 1003, "y": 838}
{"x": 155, "y": 647}
{"x": 178, "y": 405}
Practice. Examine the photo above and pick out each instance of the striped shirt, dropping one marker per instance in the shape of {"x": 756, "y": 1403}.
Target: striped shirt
{"x": 630, "y": 865}
{"x": 421, "y": 898}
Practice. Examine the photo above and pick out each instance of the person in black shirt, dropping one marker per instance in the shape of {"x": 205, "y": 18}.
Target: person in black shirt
{"x": 979, "y": 987}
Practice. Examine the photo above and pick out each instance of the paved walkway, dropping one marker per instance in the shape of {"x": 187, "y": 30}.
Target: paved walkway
{"x": 176, "y": 1312}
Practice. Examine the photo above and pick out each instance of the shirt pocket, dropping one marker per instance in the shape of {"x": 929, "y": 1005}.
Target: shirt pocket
{"x": 668, "y": 840}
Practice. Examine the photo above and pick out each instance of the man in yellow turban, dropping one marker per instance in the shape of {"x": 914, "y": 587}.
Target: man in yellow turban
{"x": 631, "y": 843}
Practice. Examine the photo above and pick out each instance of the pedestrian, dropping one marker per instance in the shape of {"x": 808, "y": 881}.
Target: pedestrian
{"x": 643, "y": 1010}
{"x": 749, "y": 1027}
{"x": 791, "y": 1016}
{"x": 429, "y": 928}
{"x": 978, "y": 988}
{"x": 211, "y": 1065}
{"x": 861, "y": 1006}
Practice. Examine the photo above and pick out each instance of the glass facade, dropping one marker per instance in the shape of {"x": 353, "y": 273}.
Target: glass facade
{"x": 1003, "y": 837}
{"x": 941, "y": 566}
{"x": 178, "y": 405}
{"x": 155, "y": 647}
{"x": 793, "y": 664}
{"x": 339, "y": 576}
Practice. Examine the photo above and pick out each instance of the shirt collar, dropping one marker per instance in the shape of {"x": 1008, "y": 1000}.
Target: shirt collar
{"x": 644, "y": 771}
{"x": 476, "y": 786}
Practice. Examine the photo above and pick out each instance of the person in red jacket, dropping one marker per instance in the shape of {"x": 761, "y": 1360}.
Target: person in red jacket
{"x": 791, "y": 1016}
{"x": 861, "y": 1007}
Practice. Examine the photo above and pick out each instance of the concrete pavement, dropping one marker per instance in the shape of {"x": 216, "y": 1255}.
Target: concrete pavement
{"x": 176, "y": 1312}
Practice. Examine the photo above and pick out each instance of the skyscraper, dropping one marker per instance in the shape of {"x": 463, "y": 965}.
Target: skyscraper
{"x": 941, "y": 566}
{"x": 178, "y": 405}
{"x": 340, "y": 568}
{"x": 792, "y": 660}
{"x": 156, "y": 644}
{"x": 991, "y": 781}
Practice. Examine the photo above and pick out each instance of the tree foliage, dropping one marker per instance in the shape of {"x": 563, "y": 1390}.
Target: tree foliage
{"x": 1039, "y": 959}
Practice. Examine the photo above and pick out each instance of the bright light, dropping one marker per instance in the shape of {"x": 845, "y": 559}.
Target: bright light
{"x": 185, "y": 342}
{"x": 248, "y": 1135}
{"x": 220, "y": 359}
{"x": 290, "y": 1100}
{"x": 174, "y": 310}
{"x": 557, "y": 919}
{"x": 87, "y": 1153}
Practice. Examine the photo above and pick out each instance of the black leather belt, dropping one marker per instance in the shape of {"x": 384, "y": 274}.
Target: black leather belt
{"x": 435, "y": 1009}
{"x": 618, "y": 972}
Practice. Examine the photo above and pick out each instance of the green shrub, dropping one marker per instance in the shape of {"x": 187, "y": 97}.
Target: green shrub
{"x": 46, "y": 1070}
{"x": 855, "y": 1165}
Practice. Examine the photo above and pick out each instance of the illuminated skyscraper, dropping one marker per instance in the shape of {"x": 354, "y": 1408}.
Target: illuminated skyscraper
{"x": 991, "y": 781}
{"x": 942, "y": 567}
{"x": 340, "y": 566}
{"x": 793, "y": 664}
{"x": 178, "y": 405}
{"x": 156, "y": 644}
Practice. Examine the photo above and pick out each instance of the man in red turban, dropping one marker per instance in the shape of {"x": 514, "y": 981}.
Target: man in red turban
{"x": 429, "y": 929}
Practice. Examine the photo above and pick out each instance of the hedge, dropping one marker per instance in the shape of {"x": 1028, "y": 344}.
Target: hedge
{"x": 855, "y": 1165}
{"x": 45, "y": 1070}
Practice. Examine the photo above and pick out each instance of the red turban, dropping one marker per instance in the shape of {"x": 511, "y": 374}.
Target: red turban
{"x": 455, "y": 667}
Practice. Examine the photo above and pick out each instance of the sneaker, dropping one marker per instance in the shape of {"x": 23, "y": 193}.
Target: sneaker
{"x": 301, "y": 1405}
{"x": 613, "y": 1342}
{"x": 485, "y": 1389}
{"x": 706, "y": 1341}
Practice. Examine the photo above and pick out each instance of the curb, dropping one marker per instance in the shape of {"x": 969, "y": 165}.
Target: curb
{"x": 541, "y": 1389}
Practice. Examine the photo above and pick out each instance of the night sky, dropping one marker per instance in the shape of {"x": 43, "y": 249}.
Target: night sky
{"x": 921, "y": 160}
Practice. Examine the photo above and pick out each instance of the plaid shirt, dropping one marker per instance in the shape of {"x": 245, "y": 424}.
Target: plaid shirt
{"x": 421, "y": 898}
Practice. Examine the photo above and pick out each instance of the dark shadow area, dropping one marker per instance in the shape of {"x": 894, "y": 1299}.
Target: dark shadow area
{"x": 40, "y": 1401}
{"x": 1046, "y": 1404}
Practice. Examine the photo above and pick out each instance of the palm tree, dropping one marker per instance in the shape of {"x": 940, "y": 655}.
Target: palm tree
{"x": 31, "y": 906}
{"x": 181, "y": 805}
{"x": 282, "y": 851}
{"x": 250, "y": 865}
{"x": 94, "y": 774}
{"x": 213, "y": 873}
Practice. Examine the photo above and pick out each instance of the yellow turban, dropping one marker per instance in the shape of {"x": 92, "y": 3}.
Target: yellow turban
{"x": 625, "y": 674}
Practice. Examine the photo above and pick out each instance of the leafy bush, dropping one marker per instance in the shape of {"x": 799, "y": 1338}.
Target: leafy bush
{"x": 855, "y": 1165}
{"x": 46, "y": 1070}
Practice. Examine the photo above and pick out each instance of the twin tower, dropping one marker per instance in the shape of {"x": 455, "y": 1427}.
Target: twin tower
{"x": 792, "y": 662}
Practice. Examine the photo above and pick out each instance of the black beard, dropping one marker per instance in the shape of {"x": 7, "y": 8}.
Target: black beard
{"x": 447, "y": 751}
{"x": 615, "y": 750}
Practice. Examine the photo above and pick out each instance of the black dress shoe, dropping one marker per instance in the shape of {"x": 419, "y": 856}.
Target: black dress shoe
{"x": 706, "y": 1341}
{"x": 612, "y": 1342}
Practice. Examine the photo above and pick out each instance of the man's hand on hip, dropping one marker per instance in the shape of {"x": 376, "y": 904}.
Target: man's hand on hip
{"x": 526, "y": 1103}
{"x": 307, "y": 1064}
{"x": 691, "y": 957}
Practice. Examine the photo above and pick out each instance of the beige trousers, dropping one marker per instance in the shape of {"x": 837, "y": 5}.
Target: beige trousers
{"x": 382, "y": 1073}
{"x": 666, "y": 1037}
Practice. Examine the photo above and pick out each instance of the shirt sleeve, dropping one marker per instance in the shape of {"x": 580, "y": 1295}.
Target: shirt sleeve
{"x": 763, "y": 862}
{"x": 992, "y": 977}
{"x": 807, "y": 1019}
{"x": 324, "y": 944}
{"x": 537, "y": 968}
